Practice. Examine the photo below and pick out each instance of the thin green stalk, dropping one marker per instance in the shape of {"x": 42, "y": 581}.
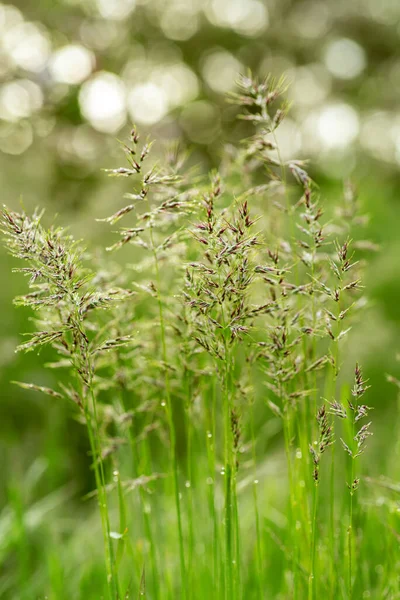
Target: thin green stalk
{"x": 189, "y": 450}
{"x": 332, "y": 552}
{"x": 335, "y": 379}
{"x": 139, "y": 463}
{"x": 143, "y": 461}
{"x": 171, "y": 425}
{"x": 237, "y": 569}
{"x": 286, "y": 432}
{"x": 259, "y": 553}
{"x": 92, "y": 425}
{"x": 210, "y": 443}
{"x": 229, "y": 571}
{"x": 350, "y": 530}
{"x": 313, "y": 576}
{"x": 229, "y": 470}
{"x": 314, "y": 341}
{"x": 15, "y": 498}
{"x": 112, "y": 576}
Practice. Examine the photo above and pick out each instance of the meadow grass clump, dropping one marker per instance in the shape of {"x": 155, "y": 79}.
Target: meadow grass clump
{"x": 217, "y": 348}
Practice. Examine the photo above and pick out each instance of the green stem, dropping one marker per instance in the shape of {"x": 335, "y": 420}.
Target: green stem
{"x": 171, "y": 425}
{"x": 211, "y": 441}
{"x": 112, "y": 576}
{"x": 292, "y": 519}
{"x": 140, "y": 465}
{"x": 350, "y": 530}
{"x": 237, "y": 536}
{"x": 255, "y": 502}
{"x": 350, "y": 545}
{"x": 229, "y": 575}
{"x": 190, "y": 475}
{"x": 312, "y": 578}
{"x": 333, "y": 579}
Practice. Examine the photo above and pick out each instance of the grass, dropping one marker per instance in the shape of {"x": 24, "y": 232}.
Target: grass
{"x": 210, "y": 373}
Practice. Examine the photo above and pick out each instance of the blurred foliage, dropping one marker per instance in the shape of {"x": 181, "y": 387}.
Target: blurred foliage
{"x": 75, "y": 73}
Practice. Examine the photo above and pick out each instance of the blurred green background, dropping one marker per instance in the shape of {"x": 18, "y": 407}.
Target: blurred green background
{"x": 75, "y": 74}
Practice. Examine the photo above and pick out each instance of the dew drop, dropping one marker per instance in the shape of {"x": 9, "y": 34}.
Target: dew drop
{"x": 187, "y": 484}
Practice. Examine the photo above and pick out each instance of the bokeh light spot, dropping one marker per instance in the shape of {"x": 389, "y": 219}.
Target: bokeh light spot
{"x": 103, "y": 103}
{"x": 15, "y": 138}
{"x": 9, "y": 17}
{"x": 99, "y": 34}
{"x": 248, "y": 17}
{"x": 28, "y": 46}
{"x": 338, "y": 125}
{"x": 288, "y": 136}
{"x": 310, "y": 19}
{"x": 178, "y": 82}
{"x": 115, "y": 9}
{"x": 19, "y": 99}
{"x": 71, "y": 64}
{"x": 179, "y": 23}
{"x": 220, "y": 70}
{"x": 374, "y": 136}
{"x": 345, "y": 58}
{"x": 147, "y": 103}
{"x": 311, "y": 85}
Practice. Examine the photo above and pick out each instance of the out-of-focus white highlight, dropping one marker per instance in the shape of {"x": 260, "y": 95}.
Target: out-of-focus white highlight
{"x": 76, "y": 144}
{"x": 178, "y": 82}
{"x": 345, "y": 58}
{"x": 27, "y": 45}
{"x": 99, "y": 34}
{"x": 310, "y": 19}
{"x": 168, "y": 86}
{"x": 310, "y": 85}
{"x": 15, "y": 138}
{"x": 248, "y": 17}
{"x": 9, "y": 17}
{"x": 338, "y": 126}
{"x": 147, "y": 103}
{"x": 288, "y": 136}
{"x": 71, "y": 64}
{"x": 220, "y": 70}
{"x": 19, "y": 99}
{"x": 115, "y": 9}
{"x": 179, "y": 22}
{"x": 103, "y": 102}
{"x": 378, "y": 134}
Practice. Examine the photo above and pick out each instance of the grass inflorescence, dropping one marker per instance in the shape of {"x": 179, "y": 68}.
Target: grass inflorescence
{"x": 219, "y": 349}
